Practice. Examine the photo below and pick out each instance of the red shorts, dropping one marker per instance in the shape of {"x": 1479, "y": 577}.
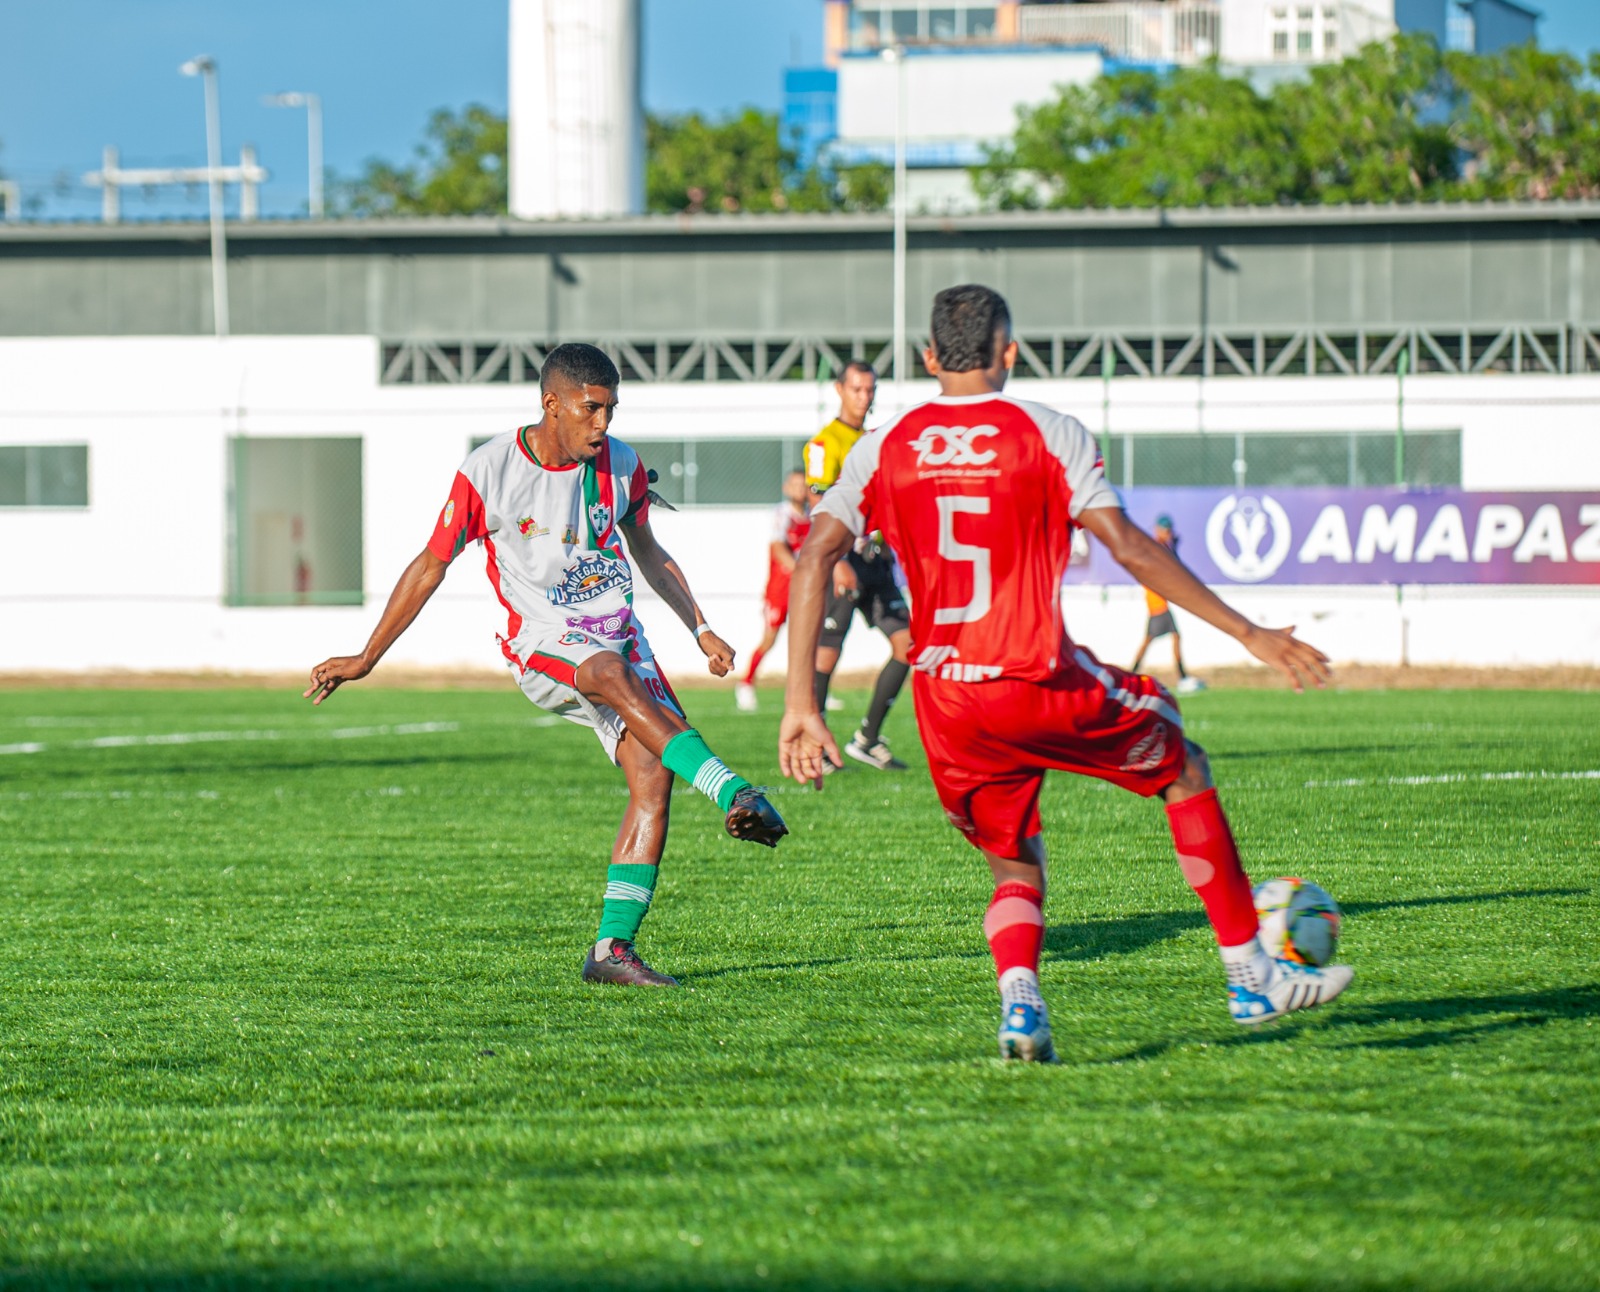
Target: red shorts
{"x": 990, "y": 743}
{"x": 776, "y": 599}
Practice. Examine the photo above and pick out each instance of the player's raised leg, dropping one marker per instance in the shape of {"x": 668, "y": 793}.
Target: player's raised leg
{"x": 661, "y": 728}
{"x": 635, "y": 866}
{"x": 1259, "y": 988}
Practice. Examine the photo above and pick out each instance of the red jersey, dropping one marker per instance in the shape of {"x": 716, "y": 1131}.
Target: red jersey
{"x": 978, "y": 496}
{"x": 790, "y": 525}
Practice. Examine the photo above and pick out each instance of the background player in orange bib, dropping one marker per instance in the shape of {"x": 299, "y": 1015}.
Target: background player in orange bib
{"x": 1161, "y": 623}
{"x": 978, "y": 495}
{"x": 791, "y": 522}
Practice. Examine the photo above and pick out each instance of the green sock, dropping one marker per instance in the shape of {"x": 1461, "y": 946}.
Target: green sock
{"x": 628, "y": 893}
{"x": 688, "y": 756}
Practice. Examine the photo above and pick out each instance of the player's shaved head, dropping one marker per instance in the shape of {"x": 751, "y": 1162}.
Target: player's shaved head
{"x": 580, "y": 364}
{"x": 971, "y": 325}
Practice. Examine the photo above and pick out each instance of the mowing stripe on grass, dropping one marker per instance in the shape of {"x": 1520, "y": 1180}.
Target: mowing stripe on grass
{"x": 1455, "y": 778}
{"x": 218, "y": 737}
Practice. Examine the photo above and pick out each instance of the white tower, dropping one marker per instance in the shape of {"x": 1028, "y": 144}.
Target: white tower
{"x": 577, "y": 121}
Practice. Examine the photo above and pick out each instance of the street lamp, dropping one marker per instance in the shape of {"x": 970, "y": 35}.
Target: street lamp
{"x": 895, "y": 55}
{"x": 205, "y": 66}
{"x": 313, "y": 106}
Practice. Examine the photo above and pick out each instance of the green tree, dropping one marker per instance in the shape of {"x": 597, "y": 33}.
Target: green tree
{"x": 460, "y": 169}
{"x": 740, "y": 163}
{"x": 1372, "y": 128}
{"x": 1528, "y": 123}
{"x": 1194, "y": 137}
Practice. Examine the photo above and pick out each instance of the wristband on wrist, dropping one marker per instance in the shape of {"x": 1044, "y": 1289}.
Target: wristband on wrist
{"x": 701, "y": 629}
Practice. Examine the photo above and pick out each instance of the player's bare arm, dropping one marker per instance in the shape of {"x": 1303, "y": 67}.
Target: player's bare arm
{"x": 1159, "y": 570}
{"x": 420, "y": 581}
{"x": 782, "y": 557}
{"x": 804, "y": 740}
{"x": 663, "y": 574}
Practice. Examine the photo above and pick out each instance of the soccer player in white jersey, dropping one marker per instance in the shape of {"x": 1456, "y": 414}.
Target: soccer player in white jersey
{"x": 553, "y": 504}
{"x": 978, "y": 496}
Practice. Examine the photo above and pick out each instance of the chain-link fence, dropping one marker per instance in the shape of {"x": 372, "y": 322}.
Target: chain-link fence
{"x": 1284, "y": 460}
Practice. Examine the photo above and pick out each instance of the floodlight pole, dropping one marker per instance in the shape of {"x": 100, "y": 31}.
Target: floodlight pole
{"x": 205, "y": 66}
{"x": 896, "y": 55}
{"x": 313, "y": 105}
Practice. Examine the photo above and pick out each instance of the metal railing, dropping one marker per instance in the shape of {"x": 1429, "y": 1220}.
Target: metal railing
{"x": 1187, "y": 31}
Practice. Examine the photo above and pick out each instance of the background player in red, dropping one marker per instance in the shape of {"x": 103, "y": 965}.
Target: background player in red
{"x": 978, "y": 495}
{"x": 791, "y": 522}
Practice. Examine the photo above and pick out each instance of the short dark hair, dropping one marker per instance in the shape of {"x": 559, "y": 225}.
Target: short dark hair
{"x": 583, "y": 365}
{"x": 856, "y": 365}
{"x": 969, "y": 323}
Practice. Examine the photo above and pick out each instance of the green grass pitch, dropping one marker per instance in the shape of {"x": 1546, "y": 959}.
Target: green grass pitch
{"x": 290, "y": 998}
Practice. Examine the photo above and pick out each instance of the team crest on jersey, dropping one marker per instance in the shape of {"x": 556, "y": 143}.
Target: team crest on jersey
{"x": 590, "y": 578}
{"x": 449, "y": 514}
{"x": 530, "y": 528}
{"x": 599, "y": 518}
{"x": 574, "y": 638}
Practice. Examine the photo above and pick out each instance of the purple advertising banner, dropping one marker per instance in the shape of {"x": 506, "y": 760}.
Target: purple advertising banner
{"x": 1353, "y": 536}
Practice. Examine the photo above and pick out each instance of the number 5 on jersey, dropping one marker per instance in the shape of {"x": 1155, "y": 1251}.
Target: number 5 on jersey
{"x": 953, "y": 550}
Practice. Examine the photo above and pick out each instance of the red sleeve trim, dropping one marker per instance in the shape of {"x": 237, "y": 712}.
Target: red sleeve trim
{"x": 461, "y": 522}
{"x": 638, "y": 512}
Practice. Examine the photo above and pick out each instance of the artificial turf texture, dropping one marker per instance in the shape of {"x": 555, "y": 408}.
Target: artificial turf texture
{"x": 302, "y": 1009}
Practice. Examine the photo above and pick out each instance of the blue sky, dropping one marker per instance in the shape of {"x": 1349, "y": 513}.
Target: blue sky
{"x": 76, "y": 75}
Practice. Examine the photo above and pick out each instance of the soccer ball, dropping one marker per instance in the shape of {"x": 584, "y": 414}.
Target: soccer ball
{"x": 1299, "y": 921}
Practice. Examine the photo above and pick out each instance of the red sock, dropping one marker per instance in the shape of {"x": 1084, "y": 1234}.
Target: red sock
{"x": 1014, "y": 926}
{"x": 756, "y": 656}
{"x": 1210, "y": 863}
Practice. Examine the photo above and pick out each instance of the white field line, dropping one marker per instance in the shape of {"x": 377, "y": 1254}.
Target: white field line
{"x": 219, "y": 737}
{"x": 1455, "y": 778}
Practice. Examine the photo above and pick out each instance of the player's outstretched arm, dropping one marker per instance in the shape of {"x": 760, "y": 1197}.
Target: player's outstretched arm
{"x": 1160, "y": 571}
{"x": 419, "y": 582}
{"x": 803, "y": 737}
{"x": 663, "y": 574}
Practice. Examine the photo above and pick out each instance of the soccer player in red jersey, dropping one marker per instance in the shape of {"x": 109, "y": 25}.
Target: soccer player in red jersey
{"x": 978, "y": 495}
{"x": 791, "y": 522}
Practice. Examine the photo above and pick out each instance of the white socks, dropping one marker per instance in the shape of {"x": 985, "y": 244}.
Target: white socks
{"x": 1248, "y": 966}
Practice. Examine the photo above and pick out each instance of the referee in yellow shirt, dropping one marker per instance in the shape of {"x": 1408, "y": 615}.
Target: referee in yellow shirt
{"x": 864, "y": 580}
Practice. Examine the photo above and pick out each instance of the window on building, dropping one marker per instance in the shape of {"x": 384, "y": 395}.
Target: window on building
{"x": 1280, "y": 15}
{"x": 866, "y": 28}
{"x": 1338, "y": 458}
{"x": 905, "y": 24}
{"x": 1330, "y": 42}
{"x": 1306, "y": 14}
{"x": 296, "y": 522}
{"x": 44, "y": 475}
{"x": 720, "y": 473}
{"x": 1280, "y": 44}
{"x": 942, "y": 24}
{"x": 980, "y": 22}
{"x": 1303, "y": 44}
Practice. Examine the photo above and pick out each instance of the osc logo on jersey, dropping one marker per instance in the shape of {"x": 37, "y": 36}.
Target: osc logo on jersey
{"x": 1236, "y": 530}
{"x": 954, "y": 446}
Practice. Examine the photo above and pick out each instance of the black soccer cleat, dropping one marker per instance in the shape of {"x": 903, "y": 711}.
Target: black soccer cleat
{"x": 752, "y": 818}
{"x": 623, "y": 965}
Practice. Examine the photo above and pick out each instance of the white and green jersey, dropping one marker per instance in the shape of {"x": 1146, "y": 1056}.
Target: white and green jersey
{"x": 555, "y": 556}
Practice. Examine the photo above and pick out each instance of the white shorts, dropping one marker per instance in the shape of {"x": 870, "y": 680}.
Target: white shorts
{"x": 548, "y": 678}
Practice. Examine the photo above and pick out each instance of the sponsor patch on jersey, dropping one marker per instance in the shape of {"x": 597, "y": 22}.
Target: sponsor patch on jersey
{"x": 954, "y": 446}
{"x": 612, "y": 625}
{"x": 569, "y": 535}
{"x": 449, "y": 514}
{"x": 530, "y": 528}
{"x": 574, "y": 638}
{"x": 1147, "y": 754}
{"x": 599, "y": 518}
{"x": 590, "y": 577}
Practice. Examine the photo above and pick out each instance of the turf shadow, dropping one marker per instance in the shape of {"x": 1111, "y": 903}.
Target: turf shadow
{"x": 776, "y": 965}
{"x": 1127, "y": 934}
{"x": 1526, "y": 1009}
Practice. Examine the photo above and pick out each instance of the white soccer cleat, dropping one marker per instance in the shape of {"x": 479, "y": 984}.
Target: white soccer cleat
{"x": 1189, "y": 685}
{"x": 1292, "y": 987}
{"x": 744, "y": 697}
{"x": 833, "y": 704}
